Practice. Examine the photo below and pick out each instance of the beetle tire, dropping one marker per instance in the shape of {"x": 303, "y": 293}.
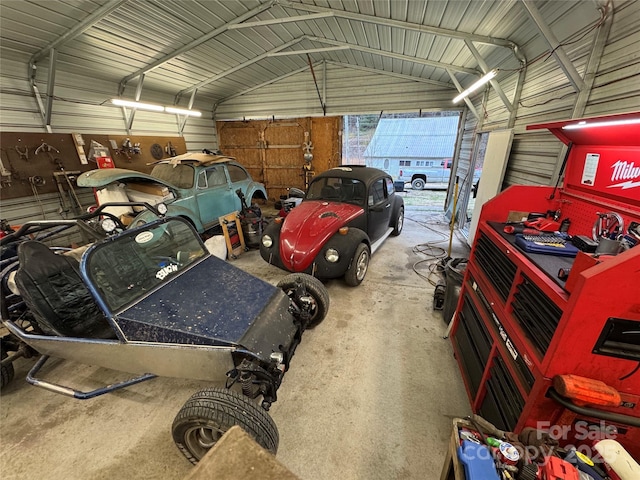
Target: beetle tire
{"x": 417, "y": 184}
{"x": 6, "y": 372}
{"x": 315, "y": 288}
{"x": 398, "y": 224}
{"x": 209, "y": 413}
{"x": 359, "y": 265}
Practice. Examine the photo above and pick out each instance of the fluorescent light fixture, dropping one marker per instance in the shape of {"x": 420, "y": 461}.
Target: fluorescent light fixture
{"x": 142, "y": 106}
{"x": 476, "y": 85}
{"x": 183, "y": 111}
{"x": 155, "y": 108}
{"x": 606, "y": 123}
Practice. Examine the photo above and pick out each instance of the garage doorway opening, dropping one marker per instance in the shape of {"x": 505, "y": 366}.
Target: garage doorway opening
{"x": 416, "y": 149}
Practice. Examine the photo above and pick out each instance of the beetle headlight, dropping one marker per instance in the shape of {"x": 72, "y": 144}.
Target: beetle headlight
{"x": 162, "y": 208}
{"x": 267, "y": 241}
{"x": 108, "y": 225}
{"x": 331, "y": 255}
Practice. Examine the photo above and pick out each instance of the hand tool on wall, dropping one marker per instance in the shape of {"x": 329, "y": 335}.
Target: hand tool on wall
{"x": 5, "y": 174}
{"x": 46, "y": 148}
{"x": 170, "y": 150}
{"x": 23, "y": 152}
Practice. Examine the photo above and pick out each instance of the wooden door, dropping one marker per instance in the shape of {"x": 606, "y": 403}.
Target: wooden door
{"x": 274, "y": 150}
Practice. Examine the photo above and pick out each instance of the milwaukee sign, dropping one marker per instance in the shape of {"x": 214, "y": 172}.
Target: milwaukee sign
{"x": 623, "y": 170}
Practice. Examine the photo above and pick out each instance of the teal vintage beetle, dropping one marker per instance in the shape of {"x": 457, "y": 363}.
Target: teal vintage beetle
{"x": 199, "y": 187}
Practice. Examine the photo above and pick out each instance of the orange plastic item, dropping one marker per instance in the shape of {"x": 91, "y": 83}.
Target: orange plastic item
{"x": 555, "y": 468}
{"x": 586, "y": 391}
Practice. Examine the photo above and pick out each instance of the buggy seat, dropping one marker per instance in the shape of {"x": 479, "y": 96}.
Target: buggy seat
{"x": 51, "y": 287}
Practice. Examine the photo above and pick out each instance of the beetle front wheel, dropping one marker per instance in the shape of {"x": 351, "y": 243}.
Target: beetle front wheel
{"x": 359, "y": 266}
{"x": 209, "y": 413}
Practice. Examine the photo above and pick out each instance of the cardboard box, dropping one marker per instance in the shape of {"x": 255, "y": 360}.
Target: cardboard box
{"x": 126, "y": 219}
{"x": 151, "y": 199}
{"x": 150, "y": 188}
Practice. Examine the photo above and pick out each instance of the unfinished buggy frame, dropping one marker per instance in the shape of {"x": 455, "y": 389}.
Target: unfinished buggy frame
{"x": 151, "y": 301}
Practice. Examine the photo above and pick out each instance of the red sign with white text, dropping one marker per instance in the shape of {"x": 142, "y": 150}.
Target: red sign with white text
{"x": 105, "y": 162}
{"x": 606, "y": 171}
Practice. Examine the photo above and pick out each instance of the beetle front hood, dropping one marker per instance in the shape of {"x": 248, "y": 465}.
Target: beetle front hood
{"x": 307, "y": 228}
{"x": 99, "y": 178}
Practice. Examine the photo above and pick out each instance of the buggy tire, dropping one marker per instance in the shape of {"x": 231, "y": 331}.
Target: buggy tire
{"x": 209, "y": 413}
{"x": 417, "y": 184}
{"x": 315, "y": 288}
{"x": 6, "y": 372}
{"x": 398, "y": 224}
{"x": 359, "y": 265}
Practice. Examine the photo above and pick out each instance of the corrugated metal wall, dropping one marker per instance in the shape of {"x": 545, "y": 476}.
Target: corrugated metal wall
{"x": 547, "y": 95}
{"x": 348, "y": 91}
{"x": 83, "y": 105}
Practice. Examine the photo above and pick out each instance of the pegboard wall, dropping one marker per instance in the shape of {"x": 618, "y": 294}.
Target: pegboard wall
{"x": 30, "y": 160}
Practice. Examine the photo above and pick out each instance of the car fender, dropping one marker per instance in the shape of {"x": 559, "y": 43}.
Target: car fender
{"x": 347, "y": 244}
{"x": 398, "y": 202}
{"x": 253, "y": 188}
{"x": 147, "y": 216}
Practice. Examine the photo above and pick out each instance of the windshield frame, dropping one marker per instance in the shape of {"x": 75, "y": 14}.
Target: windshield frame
{"x": 343, "y": 190}
{"x": 165, "y": 172}
{"x": 98, "y": 273}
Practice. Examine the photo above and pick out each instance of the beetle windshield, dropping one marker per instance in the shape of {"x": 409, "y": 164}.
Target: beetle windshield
{"x": 130, "y": 265}
{"x": 337, "y": 189}
{"x": 180, "y": 175}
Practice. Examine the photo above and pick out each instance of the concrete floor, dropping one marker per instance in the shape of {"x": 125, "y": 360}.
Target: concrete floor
{"x": 370, "y": 395}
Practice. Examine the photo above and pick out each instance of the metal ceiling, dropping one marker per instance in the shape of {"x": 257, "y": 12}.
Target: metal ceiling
{"x": 218, "y": 49}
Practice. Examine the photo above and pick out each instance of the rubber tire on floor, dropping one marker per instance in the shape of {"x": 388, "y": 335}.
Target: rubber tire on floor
{"x": 218, "y": 409}
{"x": 6, "y": 372}
{"x": 315, "y": 288}
{"x": 397, "y": 226}
{"x": 351, "y": 276}
{"x": 418, "y": 184}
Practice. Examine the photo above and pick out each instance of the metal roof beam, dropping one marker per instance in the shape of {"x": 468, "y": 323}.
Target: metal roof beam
{"x": 196, "y": 42}
{"x": 281, "y": 20}
{"x": 398, "y": 56}
{"x": 556, "y": 48}
{"x": 238, "y": 67}
{"x": 485, "y": 69}
{"x": 460, "y": 90}
{"x": 500, "y": 42}
{"x": 393, "y": 74}
{"x": 311, "y": 50}
{"x": 51, "y": 83}
{"x": 78, "y": 29}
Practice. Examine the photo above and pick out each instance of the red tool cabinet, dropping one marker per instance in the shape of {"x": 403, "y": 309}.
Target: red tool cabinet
{"x": 516, "y": 324}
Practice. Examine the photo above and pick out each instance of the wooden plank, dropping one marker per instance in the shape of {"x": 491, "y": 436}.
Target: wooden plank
{"x": 237, "y": 455}
{"x": 232, "y": 231}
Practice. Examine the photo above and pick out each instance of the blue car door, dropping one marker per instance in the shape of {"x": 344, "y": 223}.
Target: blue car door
{"x": 214, "y": 194}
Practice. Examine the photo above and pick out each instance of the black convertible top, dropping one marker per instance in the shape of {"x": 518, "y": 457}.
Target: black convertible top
{"x": 359, "y": 172}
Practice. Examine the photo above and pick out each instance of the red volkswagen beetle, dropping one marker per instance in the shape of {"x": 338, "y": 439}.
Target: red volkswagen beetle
{"x": 345, "y": 216}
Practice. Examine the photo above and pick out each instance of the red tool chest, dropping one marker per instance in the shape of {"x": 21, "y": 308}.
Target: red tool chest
{"x": 517, "y": 325}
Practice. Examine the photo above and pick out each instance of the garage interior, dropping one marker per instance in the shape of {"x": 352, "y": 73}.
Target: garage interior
{"x": 374, "y": 390}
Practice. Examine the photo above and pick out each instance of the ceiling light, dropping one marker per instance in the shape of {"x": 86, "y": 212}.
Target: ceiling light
{"x": 142, "y": 106}
{"x": 476, "y": 85}
{"x": 609, "y": 123}
{"x": 155, "y": 108}
{"x": 183, "y": 111}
